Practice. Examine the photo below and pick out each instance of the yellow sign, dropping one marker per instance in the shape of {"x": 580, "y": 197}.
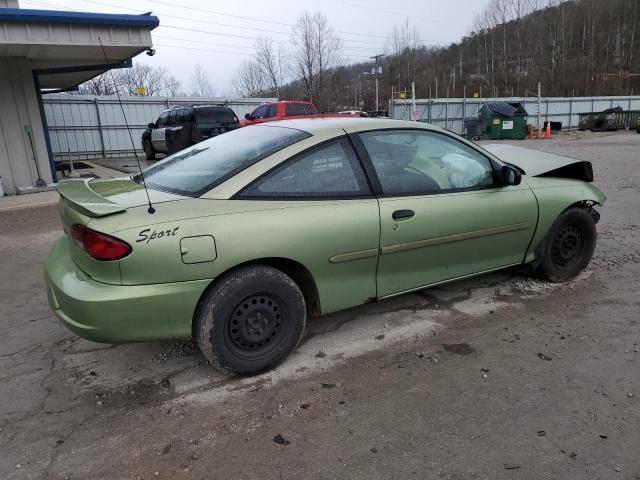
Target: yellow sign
{"x": 476, "y": 95}
{"x": 141, "y": 90}
{"x": 496, "y": 121}
{"x": 403, "y": 95}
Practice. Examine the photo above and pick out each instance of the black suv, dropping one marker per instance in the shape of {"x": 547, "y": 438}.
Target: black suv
{"x": 180, "y": 127}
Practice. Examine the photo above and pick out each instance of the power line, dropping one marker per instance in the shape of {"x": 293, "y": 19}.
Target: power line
{"x": 254, "y": 19}
{"x": 200, "y": 49}
{"x": 351, "y": 57}
{"x": 223, "y": 24}
{"x": 185, "y": 18}
{"x": 392, "y": 12}
{"x": 164, "y": 37}
{"x": 96, "y": 2}
{"x": 206, "y": 32}
{"x": 202, "y": 10}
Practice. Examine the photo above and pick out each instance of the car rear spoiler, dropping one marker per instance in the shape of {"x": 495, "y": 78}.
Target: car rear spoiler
{"x": 84, "y": 199}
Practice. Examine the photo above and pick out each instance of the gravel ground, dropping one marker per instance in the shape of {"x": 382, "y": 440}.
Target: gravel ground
{"x": 503, "y": 376}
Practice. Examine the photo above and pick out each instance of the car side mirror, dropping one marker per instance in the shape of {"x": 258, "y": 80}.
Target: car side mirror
{"x": 151, "y": 125}
{"x": 247, "y": 116}
{"x": 510, "y": 175}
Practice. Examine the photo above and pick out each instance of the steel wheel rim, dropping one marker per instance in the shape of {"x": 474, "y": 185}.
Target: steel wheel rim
{"x": 567, "y": 247}
{"x": 257, "y": 326}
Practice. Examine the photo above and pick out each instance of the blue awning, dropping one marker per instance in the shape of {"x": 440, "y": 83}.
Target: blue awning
{"x": 55, "y": 16}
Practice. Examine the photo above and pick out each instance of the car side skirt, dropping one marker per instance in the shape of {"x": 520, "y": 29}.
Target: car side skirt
{"x": 443, "y": 282}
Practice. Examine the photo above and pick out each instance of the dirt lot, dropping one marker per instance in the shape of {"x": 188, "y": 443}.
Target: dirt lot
{"x": 499, "y": 377}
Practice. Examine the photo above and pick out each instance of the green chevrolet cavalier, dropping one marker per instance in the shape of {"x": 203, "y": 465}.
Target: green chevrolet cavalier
{"x": 252, "y": 232}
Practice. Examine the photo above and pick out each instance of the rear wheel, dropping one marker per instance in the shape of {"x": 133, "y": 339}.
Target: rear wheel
{"x": 250, "y": 320}
{"x": 570, "y": 245}
{"x": 149, "y": 152}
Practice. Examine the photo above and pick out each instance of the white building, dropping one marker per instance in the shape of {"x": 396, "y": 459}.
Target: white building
{"x": 47, "y": 50}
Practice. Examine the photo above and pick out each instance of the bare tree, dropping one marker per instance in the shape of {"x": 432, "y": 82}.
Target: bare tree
{"x": 402, "y": 52}
{"x": 269, "y": 60}
{"x": 127, "y": 81}
{"x": 403, "y": 37}
{"x": 249, "y": 79}
{"x": 173, "y": 87}
{"x": 201, "y": 85}
{"x": 100, "y": 85}
{"x": 152, "y": 79}
{"x": 316, "y": 50}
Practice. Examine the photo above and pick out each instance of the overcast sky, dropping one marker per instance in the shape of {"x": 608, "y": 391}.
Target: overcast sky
{"x": 219, "y": 34}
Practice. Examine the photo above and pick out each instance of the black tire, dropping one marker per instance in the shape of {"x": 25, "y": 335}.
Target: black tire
{"x": 250, "y": 320}
{"x": 569, "y": 245}
{"x": 149, "y": 152}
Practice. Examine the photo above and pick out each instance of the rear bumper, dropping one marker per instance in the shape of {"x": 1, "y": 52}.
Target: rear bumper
{"x": 118, "y": 313}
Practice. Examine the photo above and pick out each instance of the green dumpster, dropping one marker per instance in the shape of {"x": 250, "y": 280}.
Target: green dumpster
{"x": 502, "y": 120}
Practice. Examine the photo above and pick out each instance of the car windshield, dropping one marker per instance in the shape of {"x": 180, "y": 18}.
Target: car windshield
{"x": 214, "y": 115}
{"x": 199, "y": 168}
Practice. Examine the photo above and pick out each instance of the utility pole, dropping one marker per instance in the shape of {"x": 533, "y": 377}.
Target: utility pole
{"x": 377, "y": 70}
{"x": 453, "y": 75}
{"x": 414, "y": 110}
{"x": 539, "y": 107}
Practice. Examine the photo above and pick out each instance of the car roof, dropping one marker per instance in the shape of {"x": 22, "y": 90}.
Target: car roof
{"x": 350, "y": 124}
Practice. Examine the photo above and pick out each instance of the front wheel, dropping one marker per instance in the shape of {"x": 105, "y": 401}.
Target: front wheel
{"x": 149, "y": 152}
{"x": 570, "y": 245}
{"x": 250, "y": 320}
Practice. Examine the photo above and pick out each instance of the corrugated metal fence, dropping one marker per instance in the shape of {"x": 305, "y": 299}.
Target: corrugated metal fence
{"x": 450, "y": 113}
{"x": 85, "y": 127}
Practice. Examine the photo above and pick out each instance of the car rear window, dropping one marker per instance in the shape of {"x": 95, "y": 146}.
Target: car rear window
{"x": 214, "y": 115}
{"x": 294, "y": 109}
{"x": 201, "y": 167}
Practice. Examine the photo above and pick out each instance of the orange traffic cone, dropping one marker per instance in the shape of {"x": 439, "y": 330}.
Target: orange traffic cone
{"x": 530, "y": 127}
{"x": 547, "y": 132}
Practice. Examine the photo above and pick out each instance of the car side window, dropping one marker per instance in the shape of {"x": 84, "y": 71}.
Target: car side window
{"x": 330, "y": 170}
{"x": 419, "y": 161}
{"x": 260, "y": 112}
{"x": 162, "y": 120}
{"x": 173, "y": 118}
{"x": 184, "y": 116}
{"x": 272, "y": 111}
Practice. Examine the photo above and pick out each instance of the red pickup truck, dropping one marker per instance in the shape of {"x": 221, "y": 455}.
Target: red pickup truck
{"x": 270, "y": 112}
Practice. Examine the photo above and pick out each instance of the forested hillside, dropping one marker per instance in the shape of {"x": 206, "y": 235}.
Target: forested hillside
{"x": 581, "y": 47}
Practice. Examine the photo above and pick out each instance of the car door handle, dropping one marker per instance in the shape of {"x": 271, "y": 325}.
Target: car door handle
{"x": 403, "y": 214}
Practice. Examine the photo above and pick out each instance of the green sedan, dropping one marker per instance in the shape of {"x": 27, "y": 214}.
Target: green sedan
{"x": 237, "y": 240}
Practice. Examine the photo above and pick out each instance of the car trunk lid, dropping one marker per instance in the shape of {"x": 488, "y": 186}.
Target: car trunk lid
{"x": 86, "y": 202}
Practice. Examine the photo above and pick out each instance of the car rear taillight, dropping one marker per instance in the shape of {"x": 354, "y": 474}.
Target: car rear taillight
{"x": 98, "y": 245}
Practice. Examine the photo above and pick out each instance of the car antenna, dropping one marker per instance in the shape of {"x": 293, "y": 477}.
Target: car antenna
{"x": 144, "y": 183}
